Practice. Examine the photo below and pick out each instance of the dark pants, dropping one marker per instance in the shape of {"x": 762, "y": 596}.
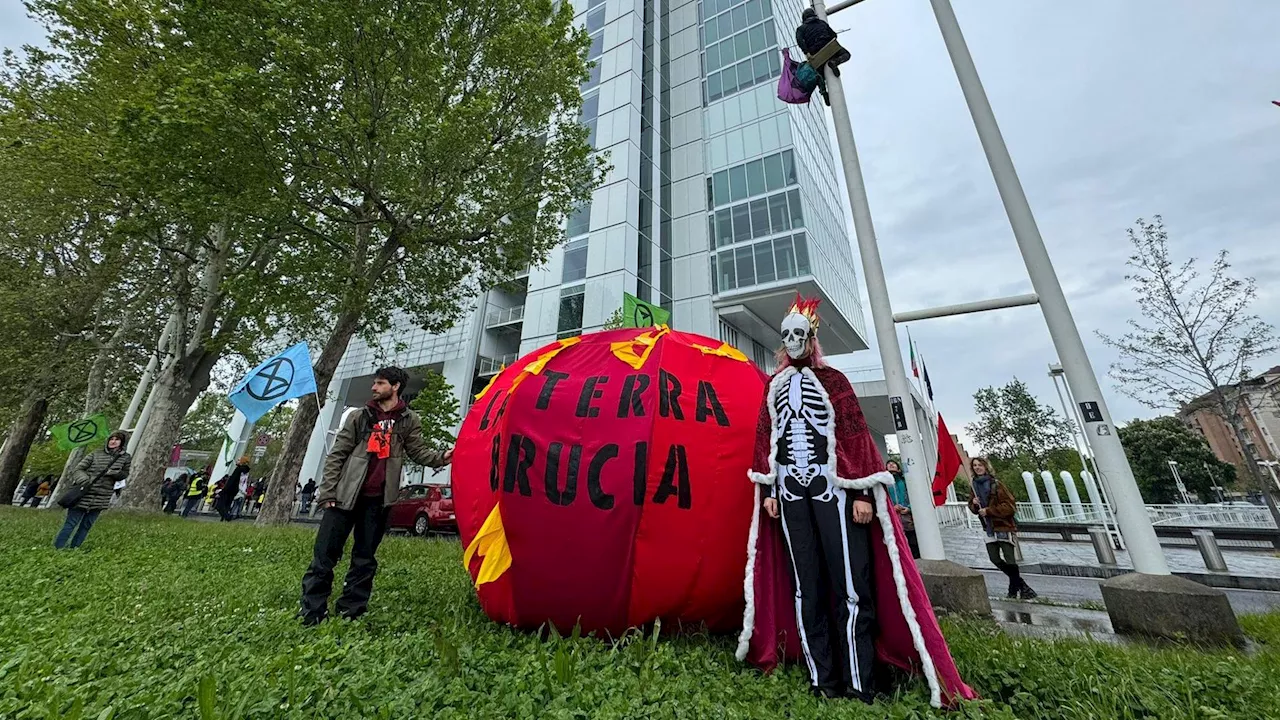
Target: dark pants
{"x": 1003, "y": 557}
{"x": 78, "y": 521}
{"x": 190, "y": 505}
{"x": 306, "y": 504}
{"x": 831, "y": 557}
{"x": 912, "y": 542}
{"x": 368, "y": 520}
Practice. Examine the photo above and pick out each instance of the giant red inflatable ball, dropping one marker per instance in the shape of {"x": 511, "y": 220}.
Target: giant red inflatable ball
{"x": 601, "y": 481}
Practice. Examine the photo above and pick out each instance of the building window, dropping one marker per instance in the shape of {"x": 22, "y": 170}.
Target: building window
{"x": 763, "y": 262}
{"x": 589, "y": 115}
{"x": 579, "y": 221}
{"x": 575, "y": 261}
{"x": 571, "y": 305}
{"x": 728, "y": 333}
{"x": 595, "y": 20}
{"x": 756, "y": 177}
{"x": 756, "y": 219}
{"x": 761, "y": 355}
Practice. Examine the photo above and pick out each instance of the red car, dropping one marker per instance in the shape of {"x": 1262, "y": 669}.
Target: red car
{"x": 422, "y": 509}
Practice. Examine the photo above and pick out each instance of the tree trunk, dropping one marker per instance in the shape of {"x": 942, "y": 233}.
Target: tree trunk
{"x": 277, "y": 508}
{"x": 175, "y": 392}
{"x": 23, "y": 433}
{"x": 95, "y": 397}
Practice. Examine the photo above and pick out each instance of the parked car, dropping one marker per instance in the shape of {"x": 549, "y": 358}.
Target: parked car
{"x": 423, "y": 509}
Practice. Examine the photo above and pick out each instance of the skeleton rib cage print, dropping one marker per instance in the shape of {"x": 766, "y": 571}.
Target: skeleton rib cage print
{"x": 803, "y": 455}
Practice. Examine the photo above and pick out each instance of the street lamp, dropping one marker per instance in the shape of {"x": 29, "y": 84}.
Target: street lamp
{"x": 1177, "y": 480}
{"x": 1271, "y": 466}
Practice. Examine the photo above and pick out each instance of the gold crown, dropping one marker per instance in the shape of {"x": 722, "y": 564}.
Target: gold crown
{"x": 807, "y": 308}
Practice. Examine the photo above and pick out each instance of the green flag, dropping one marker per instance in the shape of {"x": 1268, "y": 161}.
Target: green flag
{"x": 78, "y": 433}
{"x": 637, "y": 313}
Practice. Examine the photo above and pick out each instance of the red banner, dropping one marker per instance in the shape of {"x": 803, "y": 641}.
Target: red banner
{"x": 601, "y": 480}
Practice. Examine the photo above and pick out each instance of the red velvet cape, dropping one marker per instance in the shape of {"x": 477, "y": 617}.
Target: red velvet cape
{"x": 907, "y": 633}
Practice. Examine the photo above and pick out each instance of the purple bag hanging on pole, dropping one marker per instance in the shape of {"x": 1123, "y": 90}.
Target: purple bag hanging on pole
{"x": 788, "y": 93}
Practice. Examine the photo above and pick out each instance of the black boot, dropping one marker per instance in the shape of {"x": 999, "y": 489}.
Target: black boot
{"x": 1015, "y": 582}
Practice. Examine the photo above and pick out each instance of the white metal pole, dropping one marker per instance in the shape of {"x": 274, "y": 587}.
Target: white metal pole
{"x": 145, "y": 380}
{"x": 1144, "y": 548}
{"x": 919, "y": 479}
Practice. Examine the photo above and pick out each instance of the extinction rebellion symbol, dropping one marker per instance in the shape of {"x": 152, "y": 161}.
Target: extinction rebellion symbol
{"x": 82, "y": 431}
{"x": 642, "y": 316}
{"x": 272, "y": 381}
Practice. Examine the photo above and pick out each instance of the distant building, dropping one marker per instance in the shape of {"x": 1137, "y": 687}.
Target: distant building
{"x": 1259, "y": 407}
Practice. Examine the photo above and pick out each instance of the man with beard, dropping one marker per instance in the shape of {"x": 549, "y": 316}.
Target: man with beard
{"x": 361, "y": 479}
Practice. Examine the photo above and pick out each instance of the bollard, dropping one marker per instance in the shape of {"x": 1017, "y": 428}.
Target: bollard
{"x": 1102, "y": 546}
{"x": 1209, "y": 550}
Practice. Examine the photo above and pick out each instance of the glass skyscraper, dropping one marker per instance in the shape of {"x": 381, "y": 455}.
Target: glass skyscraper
{"x": 721, "y": 203}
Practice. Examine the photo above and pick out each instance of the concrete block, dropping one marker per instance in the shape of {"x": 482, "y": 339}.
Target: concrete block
{"x": 1171, "y": 607}
{"x": 955, "y": 588}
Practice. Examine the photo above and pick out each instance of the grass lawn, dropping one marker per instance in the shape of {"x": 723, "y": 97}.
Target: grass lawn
{"x": 156, "y": 617}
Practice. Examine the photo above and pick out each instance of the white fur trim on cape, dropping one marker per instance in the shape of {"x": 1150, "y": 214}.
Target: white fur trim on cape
{"x": 900, "y": 585}
{"x": 876, "y": 482}
{"x": 749, "y": 583}
{"x": 771, "y": 477}
{"x": 866, "y": 483}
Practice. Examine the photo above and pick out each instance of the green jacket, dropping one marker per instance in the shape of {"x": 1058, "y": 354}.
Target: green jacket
{"x": 92, "y": 466}
{"x": 347, "y": 464}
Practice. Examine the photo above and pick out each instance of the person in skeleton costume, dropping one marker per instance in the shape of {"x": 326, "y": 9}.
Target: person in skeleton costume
{"x": 829, "y": 580}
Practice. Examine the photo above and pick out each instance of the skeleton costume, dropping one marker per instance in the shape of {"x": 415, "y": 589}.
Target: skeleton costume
{"x": 820, "y": 588}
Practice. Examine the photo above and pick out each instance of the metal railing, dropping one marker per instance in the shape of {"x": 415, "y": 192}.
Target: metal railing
{"x": 955, "y": 515}
{"x": 502, "y": 316}
{"x": 1174, "y": 515}
{"x": 492, "y": 366}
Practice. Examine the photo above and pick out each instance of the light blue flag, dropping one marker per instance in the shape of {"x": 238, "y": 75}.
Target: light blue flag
{"x": 282, "y": 377}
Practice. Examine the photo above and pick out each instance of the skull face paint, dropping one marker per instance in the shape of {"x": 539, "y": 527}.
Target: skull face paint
{"x": 795, "y": 335}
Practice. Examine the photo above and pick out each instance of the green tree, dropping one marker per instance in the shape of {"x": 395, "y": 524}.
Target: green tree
{"x": 614, "y": 321}
{"x": 436, "y": 151}
{"x": 1196, "y": 339}
{"x": 1151, "y": 444}
{"x": 205, "y": 426}
{"x": 1013, "y": 424}
{"x": 73, "y": 302}
{"x": 437, "y": 405}
{"x": 174, "y": 106}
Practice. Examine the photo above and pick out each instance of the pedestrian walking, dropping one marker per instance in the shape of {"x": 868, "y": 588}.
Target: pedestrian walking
{"x": 42, "y": 491}
{"x": 174, "y": 491}
{"x": 194, "y": 490}
{"x": 308, "y": 493}
{"x": 91, "y": 489}
{"x": 995, "y": 506}
{"x": 902, "y": 505}
{"x": 29, "y": 490}
{"x": 362, "y": 476}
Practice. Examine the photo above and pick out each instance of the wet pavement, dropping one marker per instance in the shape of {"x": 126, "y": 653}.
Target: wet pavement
{"x": 966, "y": 546}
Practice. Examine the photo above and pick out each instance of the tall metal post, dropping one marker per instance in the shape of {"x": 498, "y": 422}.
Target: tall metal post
{"x": 918, "y": 475}
{"x": 1144, "y": 548}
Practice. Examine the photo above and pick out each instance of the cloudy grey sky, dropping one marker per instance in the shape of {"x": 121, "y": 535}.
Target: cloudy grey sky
{"x": 1111, "y": 110}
